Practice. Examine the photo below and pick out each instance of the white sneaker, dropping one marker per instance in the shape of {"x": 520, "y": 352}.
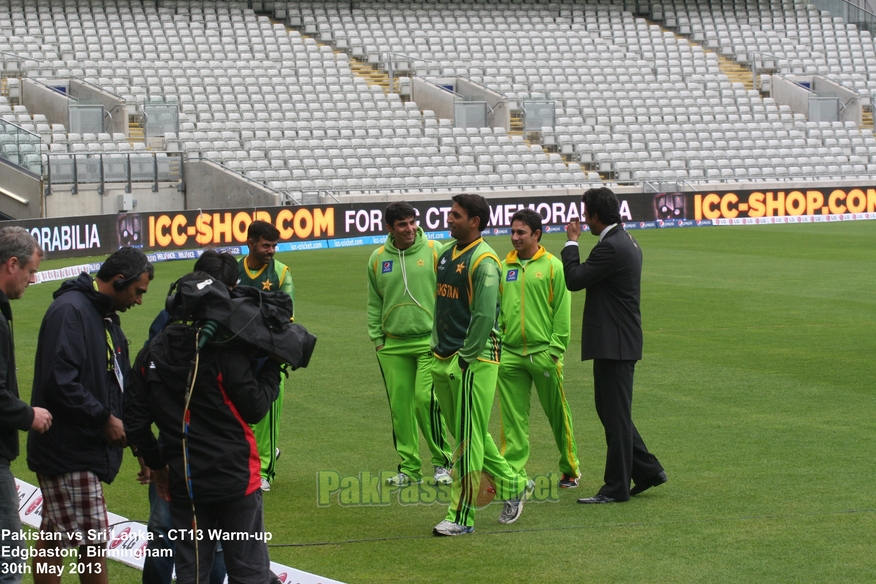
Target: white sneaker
{"x": 401, "y": 480}
{"x": 277, "y": 453}
{"x": 266, "y": 486}
{"x": 514, "y": 507}
{"x": 442, "y": 476}
{"x": 450, "y": 528}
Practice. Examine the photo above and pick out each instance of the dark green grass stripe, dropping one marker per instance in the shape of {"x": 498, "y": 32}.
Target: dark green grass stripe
{"x": 581, "y": 527}
{"x": 763, "y": 327}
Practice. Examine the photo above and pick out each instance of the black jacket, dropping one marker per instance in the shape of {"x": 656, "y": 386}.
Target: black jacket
{"x": 229, "y": 395}
{"x": 612, "y": 275}
{"x": 74, "y": 380}
{"x": 15, "y": 414}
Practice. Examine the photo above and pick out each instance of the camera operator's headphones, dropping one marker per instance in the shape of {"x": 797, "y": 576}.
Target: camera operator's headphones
{"x": 119, "y": 285}
{"x": 171, "y": 297}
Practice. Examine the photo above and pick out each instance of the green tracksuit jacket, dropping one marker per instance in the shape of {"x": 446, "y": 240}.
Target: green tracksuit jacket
{"x": 465, "y": 307}
{"x": 270, "y": 277}
{"x": 401, "y": 289}
{"x": 535, "y": 309}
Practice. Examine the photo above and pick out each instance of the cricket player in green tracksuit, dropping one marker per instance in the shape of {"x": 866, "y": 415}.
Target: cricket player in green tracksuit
{"x": 466, "y": 346}
{"x": 401, "y": 302}
{"x": 260, "y": 270}
{"x": 535, "y": 321}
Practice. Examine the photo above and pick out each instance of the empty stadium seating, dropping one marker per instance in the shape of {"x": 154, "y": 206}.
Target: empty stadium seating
{"x": 635, "y": 101}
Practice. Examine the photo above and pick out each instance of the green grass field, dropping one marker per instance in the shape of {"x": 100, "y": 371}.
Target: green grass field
{"x": 756, "y": 393}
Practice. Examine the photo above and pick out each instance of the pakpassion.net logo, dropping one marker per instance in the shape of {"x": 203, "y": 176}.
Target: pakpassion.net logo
{"x": 371, "y": 489}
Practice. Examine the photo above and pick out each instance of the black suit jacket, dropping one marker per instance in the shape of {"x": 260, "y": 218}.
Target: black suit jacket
{"x": 612, "y": 275}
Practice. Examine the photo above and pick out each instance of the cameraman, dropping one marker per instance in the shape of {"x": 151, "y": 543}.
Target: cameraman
{"x": 230, "y": 391}
{"x": 158, "y": 565}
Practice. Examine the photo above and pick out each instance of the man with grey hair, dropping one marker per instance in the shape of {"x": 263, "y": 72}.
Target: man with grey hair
{"x": 20, "y": 257}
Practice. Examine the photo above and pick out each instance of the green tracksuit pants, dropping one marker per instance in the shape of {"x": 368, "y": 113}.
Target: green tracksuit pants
{"x": 516, "y": 376}
{"x": 466, "y": 400}
{"x": 267, "y": 436}
{"x": 405, "y": 365}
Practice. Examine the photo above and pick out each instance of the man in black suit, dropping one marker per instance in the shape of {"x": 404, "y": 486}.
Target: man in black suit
{"x": 612, "y": 337}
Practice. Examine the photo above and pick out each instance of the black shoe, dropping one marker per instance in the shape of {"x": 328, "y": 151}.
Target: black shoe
{"x": 596, "y": 499}
{"x": 654, "y": 481}
{"x": 568, "y": 481}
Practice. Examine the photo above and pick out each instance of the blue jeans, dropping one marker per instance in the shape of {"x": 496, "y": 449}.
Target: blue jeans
{"x": 10, "y": 567}
{"x": 160, "y": 570}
